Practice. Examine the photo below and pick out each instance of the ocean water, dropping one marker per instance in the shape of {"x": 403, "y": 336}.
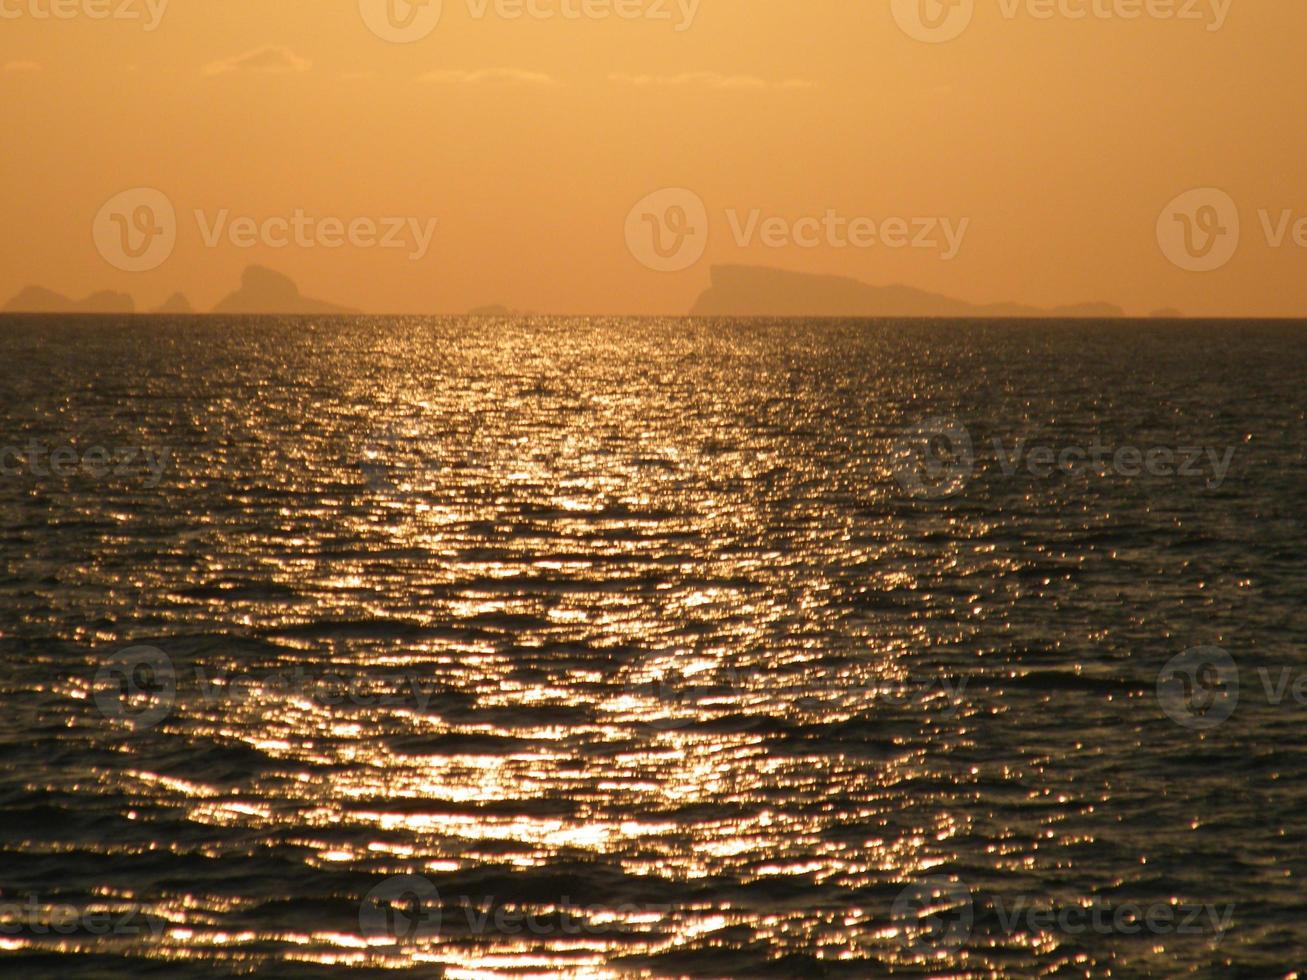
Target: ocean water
{"x": 640, "y": 648}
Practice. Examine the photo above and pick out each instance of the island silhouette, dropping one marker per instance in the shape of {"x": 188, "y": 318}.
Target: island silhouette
{"x": 177, "y": 304}
{"x": 265, "y": 291}
{"x": 36, "y": 299}
{"x": 735, "y": 291}
{"x": 747, "y": 290}
{"x": 261, "y": 290}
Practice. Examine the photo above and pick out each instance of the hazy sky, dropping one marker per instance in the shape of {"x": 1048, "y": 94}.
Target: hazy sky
{"x": 1051, "y": 144}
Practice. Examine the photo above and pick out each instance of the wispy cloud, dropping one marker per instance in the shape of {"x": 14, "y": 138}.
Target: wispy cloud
{"x": 513, "y": 76}
{"x": 709, "y": 79}
{"x": 271, "y": 58}
{"x": 21, "y": 66}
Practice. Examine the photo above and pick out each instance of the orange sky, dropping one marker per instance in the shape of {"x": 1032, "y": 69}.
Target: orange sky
{"x": 1060, "y": 140}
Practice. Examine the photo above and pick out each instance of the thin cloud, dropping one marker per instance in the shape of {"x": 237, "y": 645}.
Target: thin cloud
{"x": 22, "y": 66}
{"x": 711, "y": 80}
{"x": 269, "y": 59}
{"x": 514, "y": 76}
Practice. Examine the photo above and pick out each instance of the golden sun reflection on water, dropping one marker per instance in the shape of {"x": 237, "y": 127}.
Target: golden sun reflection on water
{"x": 621, "y": 620}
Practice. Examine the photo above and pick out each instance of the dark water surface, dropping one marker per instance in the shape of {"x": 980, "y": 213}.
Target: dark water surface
{"x": 647, "y": 649}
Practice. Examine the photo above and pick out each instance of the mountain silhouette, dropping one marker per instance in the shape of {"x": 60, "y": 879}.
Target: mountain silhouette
{"x": 742, "y": 290}
{"x": 36, "y": 299}
{"x": 176, "y": 303}
{"x": 265, "y": 291}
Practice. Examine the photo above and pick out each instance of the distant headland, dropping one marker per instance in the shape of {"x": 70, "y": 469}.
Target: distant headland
{"x": 261, "y": 291}
{"x": 35, "y": 299}
{"x": 734, "y": 291}
{"x": 744, "y": 290}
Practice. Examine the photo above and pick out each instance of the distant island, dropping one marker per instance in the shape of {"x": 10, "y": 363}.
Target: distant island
{"x": 35, "y": 299}
{"x": 261, "y": 291}
{"x": 735, "y": 291}
{"x": 176, "y": 304}
{"x": 265, "y": 291}
{"x": 496, "y": 310}
{"x": 742, "y": 290}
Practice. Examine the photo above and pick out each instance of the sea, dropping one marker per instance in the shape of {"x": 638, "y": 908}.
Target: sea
{"x": 652, "y": 648}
